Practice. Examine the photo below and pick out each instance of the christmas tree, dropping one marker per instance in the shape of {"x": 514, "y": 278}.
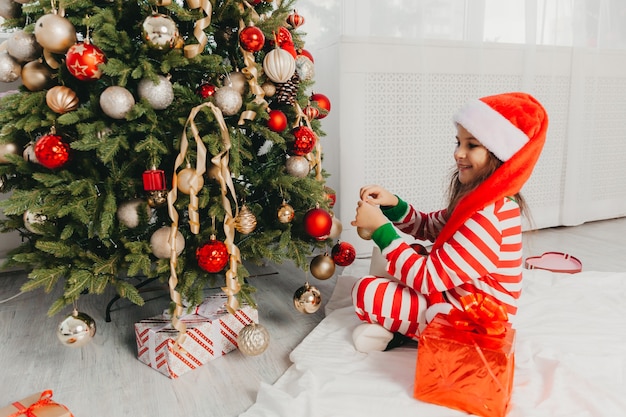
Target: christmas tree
{"x": 160, "y": 140}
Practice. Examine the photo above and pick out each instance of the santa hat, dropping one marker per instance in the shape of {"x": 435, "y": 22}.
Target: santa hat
{"x": 513, "y": 127}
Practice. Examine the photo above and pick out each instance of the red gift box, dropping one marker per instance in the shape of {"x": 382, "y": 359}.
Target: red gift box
{"x": 206, "y": 338}
{"x": 466, "y": 368}
{"x": 36, "y": 405}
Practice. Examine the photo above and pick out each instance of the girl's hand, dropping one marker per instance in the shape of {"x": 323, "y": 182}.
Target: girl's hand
{"x": 375, "y": 194}
{"x": 368, "y": 216}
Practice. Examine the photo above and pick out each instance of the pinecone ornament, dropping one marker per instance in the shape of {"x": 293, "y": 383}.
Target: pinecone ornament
{"x": 286, "y": 92}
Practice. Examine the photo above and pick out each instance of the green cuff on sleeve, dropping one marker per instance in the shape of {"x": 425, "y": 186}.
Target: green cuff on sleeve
{"x": 397, "y": 212}
{"x": 384, "y": 235}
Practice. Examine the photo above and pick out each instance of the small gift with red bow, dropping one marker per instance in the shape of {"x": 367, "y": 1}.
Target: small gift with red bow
{"x": 36, "y": 405}
{"x": 466, "y": 359}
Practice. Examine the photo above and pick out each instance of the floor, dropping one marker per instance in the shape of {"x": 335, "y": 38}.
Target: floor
{"x": 104, "y": 378}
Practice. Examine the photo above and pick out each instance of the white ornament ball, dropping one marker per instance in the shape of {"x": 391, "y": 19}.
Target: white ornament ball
{"x": 76, "y": 330}
{"x": 116, "y": 102}
{"x": 253, "y": 339}
{"x": 159, "y": 95}
{"x": 32, "y": 220}
{"x": 228, "y": 100}
{"x": 128, "y": 212}
{"x": 23, "y": 46}
{"x": 10, "y": 68}
{"x": 297, "y": 166}
{"x": 160, "y": 244}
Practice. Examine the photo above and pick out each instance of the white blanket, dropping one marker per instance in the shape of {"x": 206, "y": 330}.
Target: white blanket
{"x": 570, "y": 358}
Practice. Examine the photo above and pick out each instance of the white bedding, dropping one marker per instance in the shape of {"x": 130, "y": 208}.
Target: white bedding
{"x": 570, "y": 357}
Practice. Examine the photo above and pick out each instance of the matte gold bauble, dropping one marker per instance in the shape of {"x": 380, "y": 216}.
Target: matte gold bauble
{"x": 297, "y": 166}
{"x": 238, "y": 81}
{"x": 76, "y": 330}
{"x": 268, "y": 88}
{"x": 7, "y": 149}
{"x": 364, "y": 233}
{"x": 253, "y": 339}
{"x": 322, "y": 267}
{"x": 61, "y": 99}
{"x": 10, "y": 68}
{"x": 187, "y": 179}
{"x": 116, "y": 102}
{"x": 245, "y": 222}
{"x": 159, "y": 242}
{"x": 55, "y": 33}
{"x": 228, "y": 100}
{"x": 36, "y": 76}
{"x": 307, "y": 299}
{"x": 23, "y": 46}
{"x": 286, "y": 213}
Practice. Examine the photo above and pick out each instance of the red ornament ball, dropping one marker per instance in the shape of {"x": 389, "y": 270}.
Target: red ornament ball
{"x": 295, "y": 20}
{"x": 83, "y": 61}
{"x": 251, "y": 39}
{"x": 322, "y": 102}
{"x": 317, "y": 223}
{"x": 277, "y": 121}
{"x": 205, "y": 90}
{"x": 51, "y": 151}
{"x": 213, "y": 256}
{"x": 331, "y": 196}
{"x": 343, "y": 253}
{"x": 304, "y": 142}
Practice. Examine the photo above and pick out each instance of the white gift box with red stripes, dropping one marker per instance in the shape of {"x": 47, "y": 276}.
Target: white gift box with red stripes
{"x": 211, "y": 333}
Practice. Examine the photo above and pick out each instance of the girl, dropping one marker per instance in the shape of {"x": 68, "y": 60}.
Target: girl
{"x": 477, "y": 238}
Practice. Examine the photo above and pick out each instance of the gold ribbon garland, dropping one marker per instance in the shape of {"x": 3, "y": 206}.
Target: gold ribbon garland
{"x": 198, "y": 27}
{"x": 251, "y": 73}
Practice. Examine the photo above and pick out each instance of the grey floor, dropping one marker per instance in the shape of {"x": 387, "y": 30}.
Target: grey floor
{"x": 104, "y": 378}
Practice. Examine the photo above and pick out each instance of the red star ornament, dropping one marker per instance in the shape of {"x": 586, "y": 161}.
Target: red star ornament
{"x": 83, "y": 61}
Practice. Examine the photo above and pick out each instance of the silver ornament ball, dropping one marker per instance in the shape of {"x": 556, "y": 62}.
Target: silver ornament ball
{"x": 76, "y": 330}
{"x": 228, "y": 100}
{"x": 297, "y": 166}
{"x": 32, "y": 220}
{"x": 10, "y": 68}
{"x": 116, "y": 102}
{"x": 253, "y": 339}
{"x": 160, "y": 94}
{"x": 23, "y": 46}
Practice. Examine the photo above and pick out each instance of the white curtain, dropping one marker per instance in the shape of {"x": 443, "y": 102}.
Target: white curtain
{"x": 397, "y": 70}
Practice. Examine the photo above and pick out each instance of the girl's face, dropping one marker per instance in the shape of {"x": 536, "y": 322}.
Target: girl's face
{"x": 471, "y": 156}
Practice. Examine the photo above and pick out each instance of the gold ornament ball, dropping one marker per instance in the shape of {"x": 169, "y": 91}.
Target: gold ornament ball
{"x": 253, "y": 339}
{"x": 10, "y": 68}
{"x": 23, "y": 46}
{"x": 286, "y": 213}
{"x": 364, "y": 233}
{"x": 335, "y": 229}
{"x": 228, "y": 100}
{"x": 32, "y": 220}
{"x": 268, "y": 88}
{"x": 297, "y": 166}
{"x": 128, "y": 212}
{"x": 157, "y": 198}
{"x": 55, "y": 33}
{"x": 322, "y": 267}
{"x": 307, "y": 299}
{"x": 238, "y": 81}
{"x": 61, "y": 99}
{"x": 76, "y": 330}
{"x": 159, "y": 242}
{"x": 7, "y": 149}
{"x": 186, "y": 181}
{"x": 160, "y": 32}
{"x": 116, "y": 101}
{"x": 245, "y": 222}
{"x": 36, "y": 76}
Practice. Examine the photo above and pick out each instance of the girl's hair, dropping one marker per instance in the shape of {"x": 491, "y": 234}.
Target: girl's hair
{"x": 456, "y": 190}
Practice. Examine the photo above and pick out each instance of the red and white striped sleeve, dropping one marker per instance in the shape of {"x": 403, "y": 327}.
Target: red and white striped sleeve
{"x": 423, "y": 226}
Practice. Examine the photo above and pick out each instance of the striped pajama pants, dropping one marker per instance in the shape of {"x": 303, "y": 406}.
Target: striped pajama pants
{"x": 393, "y": 305}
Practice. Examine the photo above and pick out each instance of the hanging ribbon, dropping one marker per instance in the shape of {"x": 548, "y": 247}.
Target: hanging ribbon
{"x": 480, "y": 314}
{"x": 198, "y": 27}
{"x": 251, "y": 73}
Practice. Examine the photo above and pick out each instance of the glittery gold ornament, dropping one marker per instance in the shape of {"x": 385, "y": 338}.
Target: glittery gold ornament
{"x": 157, "y": 198}
{"x": 245, "y": 222}
{"x": 286, "y": 213}
{"x": 307, "y": 299}
{"x": 268, "y": 88}
{"x": 253, "y": 339}
{"x": 61, "y": 99}
{"x": 322, "y": 267}
{"x": 77, "y": 329}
